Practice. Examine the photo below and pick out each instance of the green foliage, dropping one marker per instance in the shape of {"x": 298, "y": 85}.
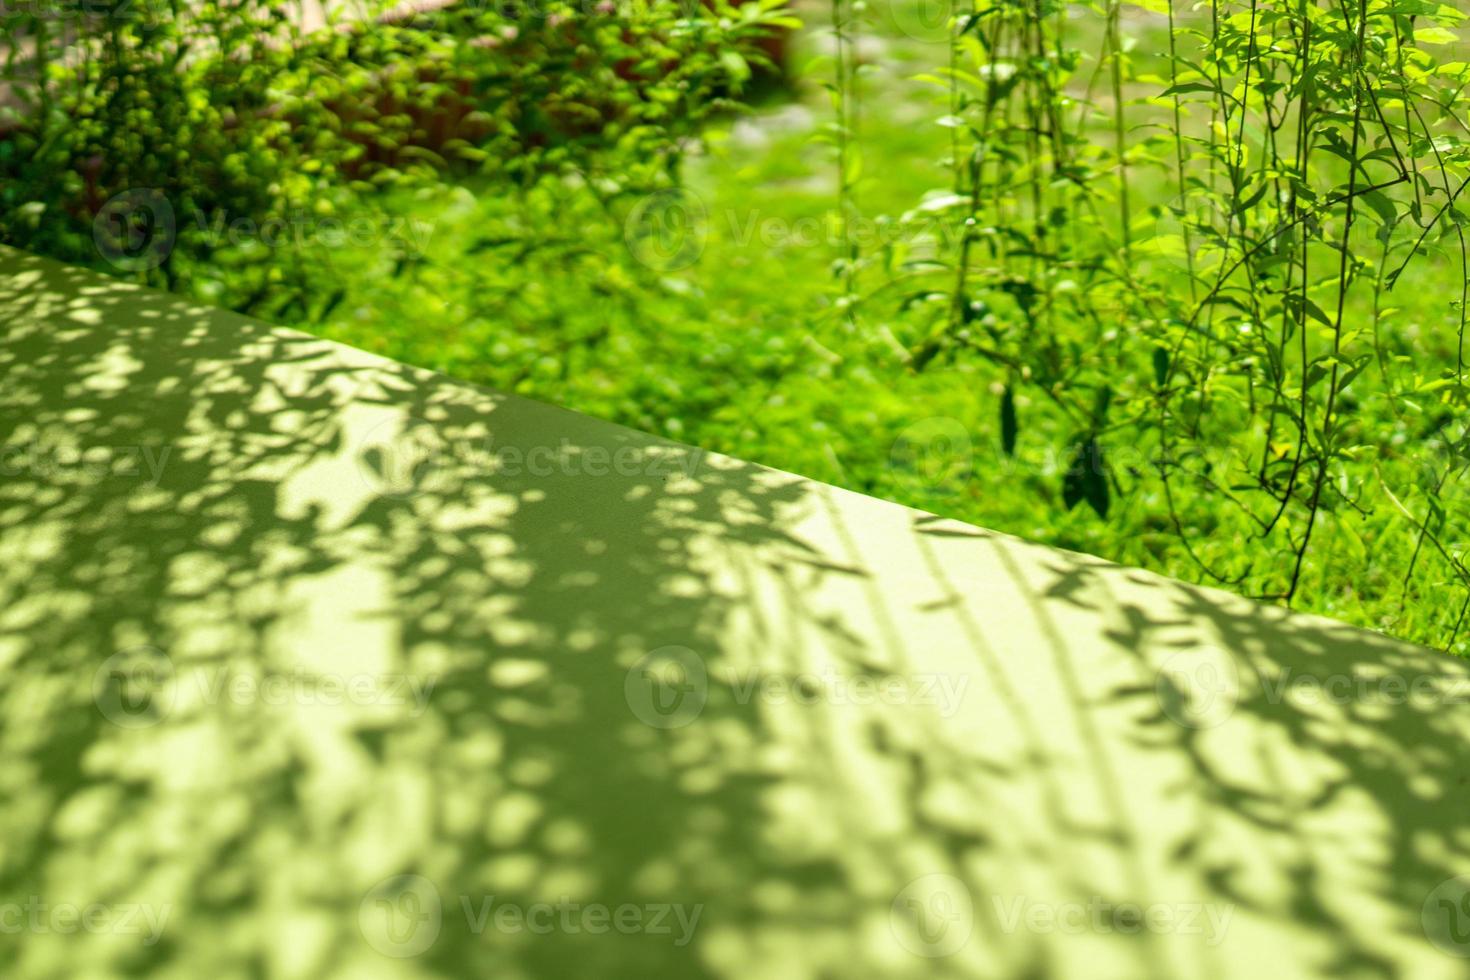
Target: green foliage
{"x": 1213, "y": 232}
{"x": 242, "y": 113}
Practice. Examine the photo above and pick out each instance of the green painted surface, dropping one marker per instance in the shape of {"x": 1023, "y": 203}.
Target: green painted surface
{"x": 316, "y": 665}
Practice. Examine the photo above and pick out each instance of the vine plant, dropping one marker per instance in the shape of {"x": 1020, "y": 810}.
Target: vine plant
{"x": 1183, "y": 261}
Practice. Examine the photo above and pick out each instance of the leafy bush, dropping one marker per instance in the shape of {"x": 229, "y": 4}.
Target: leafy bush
{"x": 221, "y": 113}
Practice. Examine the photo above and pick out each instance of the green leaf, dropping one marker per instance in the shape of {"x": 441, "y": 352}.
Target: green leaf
{"x": 1086, "y": 479}
{"x": 1380, "y": 203}
{"x": 1435, "y": 35}
{"x": 735, "y": 65}
{"x": 1184, "y": 88}
{"x": 1008, "y": 427}
{"x": 1161, "y": 365}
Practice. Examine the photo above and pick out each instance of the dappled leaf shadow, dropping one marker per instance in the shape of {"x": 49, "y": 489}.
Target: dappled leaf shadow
{"x": 324, "y": 661}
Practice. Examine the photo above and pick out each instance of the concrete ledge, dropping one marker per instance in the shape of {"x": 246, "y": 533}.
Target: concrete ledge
{"x": 316, "y": 665}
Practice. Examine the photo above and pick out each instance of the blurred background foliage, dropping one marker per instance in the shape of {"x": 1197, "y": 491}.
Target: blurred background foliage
{"x": 1182, "y": 285}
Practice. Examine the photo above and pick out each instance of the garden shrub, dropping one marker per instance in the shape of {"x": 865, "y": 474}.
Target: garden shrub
{"x": 218, "y": 114}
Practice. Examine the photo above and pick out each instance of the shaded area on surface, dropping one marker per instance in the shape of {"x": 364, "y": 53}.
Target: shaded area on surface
{"x": 260, "y": 510}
